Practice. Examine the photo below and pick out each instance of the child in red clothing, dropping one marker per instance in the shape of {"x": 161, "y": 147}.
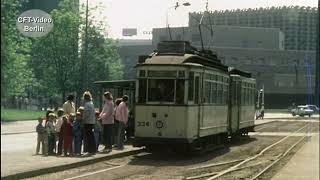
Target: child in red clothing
{"x": 67, "y": 134}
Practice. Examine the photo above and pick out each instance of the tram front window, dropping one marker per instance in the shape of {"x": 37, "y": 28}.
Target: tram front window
{"x": 161, "y": 90}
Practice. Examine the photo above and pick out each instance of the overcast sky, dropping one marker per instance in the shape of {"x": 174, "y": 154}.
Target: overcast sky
{"x": 147, "y": 14}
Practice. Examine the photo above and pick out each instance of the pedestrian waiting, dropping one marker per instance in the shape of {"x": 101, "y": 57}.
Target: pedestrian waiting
{"x": 88, "y": 123}
{"x": 42, "y": 139}
{"x": 97, "y": 130}
{"x": 122, "y": 113}
{"x": 107, "y": 117}
{"x": 58, "y": 128}
{"x": 51, "y": 134}
{"x": 77, "y": 134}
{"x": 67, "y": 134}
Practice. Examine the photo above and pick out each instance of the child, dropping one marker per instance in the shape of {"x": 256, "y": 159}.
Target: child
{"x": 97, "y": 129}
{"x": 67, "y": 134}
{"x": 59, "y": 134}
{"x": 51, "y": 134}
{"x": 83, "y": 137}
{"x": 77, "y": 133}
{"x": 41, "y": 137}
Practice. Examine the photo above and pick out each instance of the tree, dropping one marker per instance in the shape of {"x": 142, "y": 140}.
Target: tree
{"x": 57, "y": 59}
{"x": 16, "y": 76}
{"x": 54, "y": 57}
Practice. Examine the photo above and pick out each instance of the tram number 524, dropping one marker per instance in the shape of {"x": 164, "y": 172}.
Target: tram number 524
{"x": 141, "y": 123}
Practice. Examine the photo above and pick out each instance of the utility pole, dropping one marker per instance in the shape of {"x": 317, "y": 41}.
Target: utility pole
{"x": 316, "y": 93}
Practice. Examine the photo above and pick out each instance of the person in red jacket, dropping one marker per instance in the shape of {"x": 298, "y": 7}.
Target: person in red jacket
{"x": 67, "y": 134}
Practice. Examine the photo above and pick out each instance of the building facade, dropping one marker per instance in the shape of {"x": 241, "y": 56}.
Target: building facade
{"x": 129, "y": 51}
{"x": 276, "y": 45}
{"x": 223, "y": 36}
{"x": 297, "y": 23}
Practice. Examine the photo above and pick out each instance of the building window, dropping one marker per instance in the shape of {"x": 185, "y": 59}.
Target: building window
{"x": 163, "y": 38}
{"x": 195, "y": 38}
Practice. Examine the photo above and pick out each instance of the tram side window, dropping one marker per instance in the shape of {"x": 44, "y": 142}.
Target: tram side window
{"x": 247, "y": 96}
{"x": 142, "y": 90}
{"x": 190, "y": 90}
{"x": 207, "y": 92}
{"x": 180, "y": 92}
{"x": 213, "y": 93}
{"x": 220, "y": 94}
{"x": 252, "y": 96}
{"x": 225, "y": 94}
{"x": 242, "y": 96}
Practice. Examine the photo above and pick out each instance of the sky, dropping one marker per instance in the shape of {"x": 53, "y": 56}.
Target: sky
{"x": 147, "y": 14}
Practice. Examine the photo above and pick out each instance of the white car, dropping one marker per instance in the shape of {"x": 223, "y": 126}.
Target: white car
{"x": 302, "y": 111}
{"x": 314, "y": 108}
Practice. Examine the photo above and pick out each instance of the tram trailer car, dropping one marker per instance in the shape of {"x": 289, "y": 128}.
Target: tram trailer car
{"x": 188, "y": 99}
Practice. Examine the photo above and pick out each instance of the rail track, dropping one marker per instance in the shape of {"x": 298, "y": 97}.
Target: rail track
{"x": 251, "y": 162}
{"x": 258, "y": 161}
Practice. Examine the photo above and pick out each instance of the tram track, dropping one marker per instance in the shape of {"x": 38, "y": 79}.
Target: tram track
{"x": 240, "y": 164}
{"x": 159, "y": 166}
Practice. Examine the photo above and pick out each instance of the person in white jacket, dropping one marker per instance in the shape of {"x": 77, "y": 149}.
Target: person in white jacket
{"x": 107, "y": 118}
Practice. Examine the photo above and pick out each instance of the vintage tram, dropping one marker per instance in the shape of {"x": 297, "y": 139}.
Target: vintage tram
{"x": 188, "y": 99}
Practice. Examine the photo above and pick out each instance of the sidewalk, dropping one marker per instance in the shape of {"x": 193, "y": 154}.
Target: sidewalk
{"x": 25, "y": 163}
{"x": 16, "y": 127}
{"x": 304, "y": 164}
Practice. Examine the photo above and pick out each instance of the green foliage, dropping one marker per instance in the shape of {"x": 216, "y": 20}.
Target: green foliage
{"x": 54, "y": 64}
{"x": 60, "y": 65}
{"x": 54, "y": 57}
{"x": 16, "y": 76}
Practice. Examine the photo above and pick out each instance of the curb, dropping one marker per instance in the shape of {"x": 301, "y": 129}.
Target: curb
{"x": 294, "y": 118}
{"x": 38, "y": 172}
{"x": 21, "y": 132}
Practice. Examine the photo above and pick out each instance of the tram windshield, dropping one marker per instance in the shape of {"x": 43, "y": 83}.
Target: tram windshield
{"x": 161, "y": 90}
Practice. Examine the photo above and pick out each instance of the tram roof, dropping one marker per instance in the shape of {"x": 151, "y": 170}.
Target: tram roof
{"x": 181, "y": 59}
{"x": 117, "y": 83}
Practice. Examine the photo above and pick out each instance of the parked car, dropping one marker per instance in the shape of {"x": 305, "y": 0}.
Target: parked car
{"x": 314, "y": 108}
{"x": 302, "y": 111}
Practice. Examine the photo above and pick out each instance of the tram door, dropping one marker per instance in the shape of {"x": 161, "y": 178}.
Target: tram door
{"x": 197, "y": 98}
{"x": 235, "y": 104}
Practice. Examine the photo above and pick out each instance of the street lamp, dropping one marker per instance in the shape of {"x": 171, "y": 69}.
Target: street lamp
{"x": 175, "y": 7}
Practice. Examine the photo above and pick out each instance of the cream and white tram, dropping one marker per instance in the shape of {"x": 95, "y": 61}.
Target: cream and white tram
{"x": 188, "y": 99}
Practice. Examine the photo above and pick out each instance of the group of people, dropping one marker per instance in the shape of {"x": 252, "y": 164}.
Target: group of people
{"x": 71, "y": 133}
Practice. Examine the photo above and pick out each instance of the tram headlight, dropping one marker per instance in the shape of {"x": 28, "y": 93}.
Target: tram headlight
{"x": 159, "y": 124}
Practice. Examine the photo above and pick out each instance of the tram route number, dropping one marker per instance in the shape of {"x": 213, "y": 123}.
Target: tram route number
{"x": 141, "y": 123}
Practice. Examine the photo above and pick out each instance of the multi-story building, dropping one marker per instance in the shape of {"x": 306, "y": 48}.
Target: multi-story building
{"x": 129, "y": 51}
{"x": 223, "y": 36}
{"x": 297, "y": 23}
{"x": 274, "y": 54}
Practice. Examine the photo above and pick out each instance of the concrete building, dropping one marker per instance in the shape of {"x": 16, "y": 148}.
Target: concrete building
{"x": 129, "y": 51}
{"x": 224, "y": 36}
{"x": 297, "y": 23}
{"x": 287, "y": 75}
{"x": 275, "y": 55}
